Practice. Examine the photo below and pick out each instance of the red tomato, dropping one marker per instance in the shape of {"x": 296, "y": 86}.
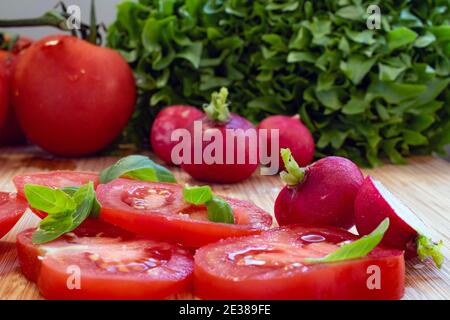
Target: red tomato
{"x": 168, "y": 120}
{"x": 109, "y": 267}
{"x": 71, "y": 97}
{"x": 10, "y": 132}
{"x": 158, "y": 210}
{"x": 55, "y": 179}
{"x": 272, "y": 266}
{"x": 11, "y": 209}
{"x": 4, "y": 95}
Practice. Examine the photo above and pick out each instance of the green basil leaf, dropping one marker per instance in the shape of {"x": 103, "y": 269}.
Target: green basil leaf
{"x": 197, "y": 195}
{"x": 58, "y": 223}
{"x": 356, "y": 249}
{"x": 400, "y": 37}
{"x": 95, "y": 211}
{"x": 52, "y": 227}
{"x": 137, "y": 167}
{"x": 219, "y": 211}
{"x": 48, "y": 199}
{"x": 84, "y": 197}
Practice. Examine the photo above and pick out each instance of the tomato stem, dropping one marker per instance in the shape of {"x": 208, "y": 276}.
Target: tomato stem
{"x": 92, "y": 38}
{"x": 293, "y": 174}
{"x": 217, "y": 109}
{"x": 51, "y": 18}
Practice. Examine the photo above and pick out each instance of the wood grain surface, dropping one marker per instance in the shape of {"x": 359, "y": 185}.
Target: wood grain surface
{"x": 423, "y": 184}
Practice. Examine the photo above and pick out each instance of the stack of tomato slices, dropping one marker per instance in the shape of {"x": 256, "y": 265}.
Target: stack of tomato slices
{"x": 142, "y": 246}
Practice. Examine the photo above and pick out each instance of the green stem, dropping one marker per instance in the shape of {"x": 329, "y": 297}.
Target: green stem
{"x": 51, "y": 19}
{"x": 293, "y": 174}
{"x": 427, "y": 248}
{"x": 93, "y": 30}
{"x": 217, "y": 109}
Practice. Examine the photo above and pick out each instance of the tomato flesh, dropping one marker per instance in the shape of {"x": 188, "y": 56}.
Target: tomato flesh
{"x": 272, "y": 266}
{"x": 11, "y": 210}
{"x": 158, "y": 210}
{"x": 109, "y": 266}
{"x": 55, "y": 179}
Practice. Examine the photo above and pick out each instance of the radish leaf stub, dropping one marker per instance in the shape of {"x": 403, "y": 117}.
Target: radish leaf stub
{"x": 427, "y": 248}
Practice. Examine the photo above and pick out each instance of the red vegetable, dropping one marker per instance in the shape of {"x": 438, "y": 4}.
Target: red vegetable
{"x": 10, "y": 132}
{"x": 55, "y": 179}
{"x": 293, "y": 134}
{"x": 272, "y": 266}
{"x": 168, "y": 120}
{"x": 71, "y": 97}
{"x": 11, "y": 210}
{"x": 4, "y": 95}
{"x": 159, "y": 210}
{"x": 108, "y": 267}
{"x": 218, "y": 119}
{"x": 322, "y": 193}
{"x": 374, "y": 203}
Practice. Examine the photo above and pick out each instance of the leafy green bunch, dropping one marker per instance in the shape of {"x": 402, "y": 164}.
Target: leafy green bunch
{"x": 365, "y": 94}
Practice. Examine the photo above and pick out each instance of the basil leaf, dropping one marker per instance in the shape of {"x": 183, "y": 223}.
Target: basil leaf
{"x": 84, "y": 198}
{"x": 95, "y": 212}
{"x": 356, "y": 249}
{"x": 219, "y": 211}
{"x": 48, "y": 200}
{"x": 137, "y": 167}
{"x": 58, "y": 223}
{"x": 197, "y": 195}
{"x": 52, "y": 227}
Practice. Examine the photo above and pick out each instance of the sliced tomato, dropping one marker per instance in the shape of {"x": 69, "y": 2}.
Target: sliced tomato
{"x": 105, "y": 266}
{"x": 11, "y": 210}
{"x": 55, "y": 179}
{"x": 158, "y": 210}
{"x": 272, "y": 266}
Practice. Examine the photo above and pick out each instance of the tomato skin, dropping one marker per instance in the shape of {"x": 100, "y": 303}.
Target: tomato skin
{"x": 10, "y": 132}
{"x": 166, "y": 224}
{"x": 55, "y": 179}
{"x": 4, "y": 96}
{"x": 168, "y": 120}
{"x": 29, "y": 254}
{"x": 222, "y": 173}
{"x": 85, "y": 101}
{"x": 11, "y": 210}
{"x": 216, "y": 276}
{"x": 48, "y": 265}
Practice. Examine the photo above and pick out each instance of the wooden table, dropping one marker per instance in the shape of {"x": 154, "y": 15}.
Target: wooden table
{"x": 423, "y": 184}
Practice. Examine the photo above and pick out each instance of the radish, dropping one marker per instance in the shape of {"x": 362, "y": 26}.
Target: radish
{"x": 294, "y": 135}
{"x": 168, "y": 120}
{"x": 212, "y": 159}
{"x": 323, "y": 193}
{"x": 374, "y": 203}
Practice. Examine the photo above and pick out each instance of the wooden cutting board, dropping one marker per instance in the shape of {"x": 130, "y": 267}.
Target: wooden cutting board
{"x": 423, "y": 184}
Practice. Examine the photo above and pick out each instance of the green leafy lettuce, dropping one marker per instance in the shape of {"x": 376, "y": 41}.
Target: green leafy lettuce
{"x": 365, "y": 94}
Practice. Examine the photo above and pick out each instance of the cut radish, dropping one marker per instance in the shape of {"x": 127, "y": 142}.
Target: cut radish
{"x": 406, "y": 232}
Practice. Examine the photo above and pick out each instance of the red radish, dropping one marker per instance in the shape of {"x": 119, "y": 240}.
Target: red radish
{"x": 293, "y": 134}
{"x": 374, "y": 203}
{"x": 323, "y": 193}
{"x": 72, "y": 97}
{"x": 168, "y": 120}
{"x": 218, "y": 120}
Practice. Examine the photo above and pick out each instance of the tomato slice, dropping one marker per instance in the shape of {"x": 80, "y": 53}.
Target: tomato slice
{"x": 159, "y": 210}
{"x": 272, "y": 266}
{"x": 55, "y": 179}
{"x": 11, "y": 210}
{"x": 105, "y": 266}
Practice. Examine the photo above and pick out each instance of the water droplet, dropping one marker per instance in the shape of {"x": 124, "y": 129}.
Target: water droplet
{"x": 312, "y": 238}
